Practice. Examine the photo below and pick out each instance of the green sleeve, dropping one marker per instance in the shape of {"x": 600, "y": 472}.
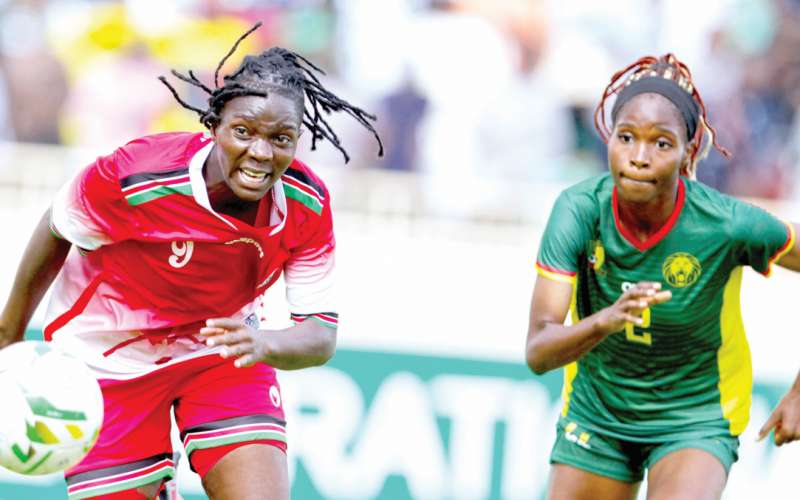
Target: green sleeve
{"x": 566, "y": 235}
{"x": 759, "y": 238}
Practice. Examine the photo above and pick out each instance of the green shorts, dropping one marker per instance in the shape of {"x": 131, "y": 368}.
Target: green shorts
{"x": 627, "y": 460}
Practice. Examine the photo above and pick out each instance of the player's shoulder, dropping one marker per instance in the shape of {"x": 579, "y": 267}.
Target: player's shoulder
{"x": 710, "y": 203}
{"x": 723, "y": 216}
{"x": 698, "y": 192}
{"x": 305, "y": 187}
{"x": 159, "y": 152}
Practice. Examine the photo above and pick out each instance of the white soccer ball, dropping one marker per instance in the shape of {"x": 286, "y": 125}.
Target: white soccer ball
{"x": 51, "y": 408}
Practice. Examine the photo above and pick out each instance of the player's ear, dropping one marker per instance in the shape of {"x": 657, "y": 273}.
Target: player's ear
{"x": 213, "y": 131}
{"x": 690, "y": 149}
{"x": 688, "y": 165}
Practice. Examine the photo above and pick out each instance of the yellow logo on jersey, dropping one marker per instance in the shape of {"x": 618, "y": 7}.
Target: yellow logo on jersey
{"x": 597, "y": 258}
{"x": 681, "y": 269}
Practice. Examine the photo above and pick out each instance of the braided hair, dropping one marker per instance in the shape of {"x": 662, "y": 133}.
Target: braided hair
{"x": 671, "y": 78}
{"x": 285, "y": 73}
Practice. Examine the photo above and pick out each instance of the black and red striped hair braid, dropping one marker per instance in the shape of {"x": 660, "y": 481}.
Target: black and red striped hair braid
{"x": 668, "y": 67}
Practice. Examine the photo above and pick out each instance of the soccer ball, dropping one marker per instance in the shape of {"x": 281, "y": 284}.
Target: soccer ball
{"x": 51, "y": 408}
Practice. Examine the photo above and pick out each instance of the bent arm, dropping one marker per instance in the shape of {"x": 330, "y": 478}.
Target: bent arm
{"x": 41, "y": 262}
{"x": 303, "y": 345}
{"x": 551, "y": 344}
{"x": 786, "y": 416}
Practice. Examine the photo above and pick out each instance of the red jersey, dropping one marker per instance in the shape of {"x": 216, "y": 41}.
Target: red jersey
{"x": 153, "y": 261}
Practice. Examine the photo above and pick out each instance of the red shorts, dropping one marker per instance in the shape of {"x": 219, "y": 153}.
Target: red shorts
{"x": 217, "y": 408}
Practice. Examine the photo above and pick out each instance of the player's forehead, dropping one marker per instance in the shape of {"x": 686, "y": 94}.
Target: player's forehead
{"x": 651, "y": 109}
{"x": 272, "y": 109}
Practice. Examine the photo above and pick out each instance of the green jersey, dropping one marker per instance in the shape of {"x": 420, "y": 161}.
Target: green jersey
{"x": 686, "y": 372}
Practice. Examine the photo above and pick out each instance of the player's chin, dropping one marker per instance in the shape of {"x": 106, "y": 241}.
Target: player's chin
{"x": 636, "y": 191}
{"x": 246, "y": 193}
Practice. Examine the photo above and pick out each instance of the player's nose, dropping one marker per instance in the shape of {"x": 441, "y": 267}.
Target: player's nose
{"x": 641, "y": 156}
{"x": 260, "y": 150}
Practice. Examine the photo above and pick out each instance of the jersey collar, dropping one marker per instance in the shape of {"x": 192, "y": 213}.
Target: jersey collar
{"x": 278, "y": 212}
{"x": 651, "y": 241}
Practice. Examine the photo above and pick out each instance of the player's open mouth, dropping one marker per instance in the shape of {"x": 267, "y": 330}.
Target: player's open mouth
{"x": 252, "y": 177}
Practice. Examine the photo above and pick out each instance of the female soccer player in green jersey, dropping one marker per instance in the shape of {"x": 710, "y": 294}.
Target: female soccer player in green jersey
{"x": 657, "y": 367}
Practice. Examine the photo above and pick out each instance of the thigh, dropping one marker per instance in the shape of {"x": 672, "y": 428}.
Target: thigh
{"x": 250, "y": 472}
{"x": 569, "y": 483}
{"x": 147, "y": 492}
{"x": 588, "y": 465}
{"x": 133, "y": 448}
{"x": 224, "y": 407}
{"x": 688, "y": 474}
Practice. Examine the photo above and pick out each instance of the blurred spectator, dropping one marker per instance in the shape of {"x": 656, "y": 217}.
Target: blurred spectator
{"x": 358, "y": 141}
{"x": 116, "y": 99}
{"x": 6, "y": 132}
{"x": 764, "y": 35}
{"x": 723, "y": 100}
{"x": 462, "y": 64}
{"x": 35, "y": 79}
{"x": 402, "y": 112}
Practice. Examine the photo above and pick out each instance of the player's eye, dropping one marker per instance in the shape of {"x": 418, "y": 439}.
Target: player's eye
{"x": 240, "y": 131}
{"x": 625, "y": 137}
{"x": 663, "y": 144}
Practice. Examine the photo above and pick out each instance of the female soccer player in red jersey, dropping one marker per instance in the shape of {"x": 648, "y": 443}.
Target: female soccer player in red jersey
{"x": 657, "y": 367}
{"x": 160, "y": 253}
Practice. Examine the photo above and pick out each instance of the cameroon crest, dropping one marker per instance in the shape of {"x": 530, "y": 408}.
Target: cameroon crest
{"x": 597, "y": 258}
{"x": 681, "y": 269}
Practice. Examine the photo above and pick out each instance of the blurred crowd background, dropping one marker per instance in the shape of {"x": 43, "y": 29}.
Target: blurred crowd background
{"x": 464, "y": 89}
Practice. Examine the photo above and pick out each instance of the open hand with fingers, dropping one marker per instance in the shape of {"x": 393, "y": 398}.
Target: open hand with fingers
{"x": 242, "y": 341}
{"x": 629, "y": 306}
{"x": 785, "y": 419}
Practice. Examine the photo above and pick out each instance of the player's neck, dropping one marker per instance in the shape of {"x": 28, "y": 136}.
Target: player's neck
{"x": 244, "y": 211}
{"x": 644, "y": 220}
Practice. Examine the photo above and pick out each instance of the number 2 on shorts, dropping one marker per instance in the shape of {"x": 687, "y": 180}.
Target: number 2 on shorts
{"x": 644, "y": 338}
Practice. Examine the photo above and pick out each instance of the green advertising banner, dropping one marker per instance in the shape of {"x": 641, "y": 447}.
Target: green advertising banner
{"x": 394, "y": 426}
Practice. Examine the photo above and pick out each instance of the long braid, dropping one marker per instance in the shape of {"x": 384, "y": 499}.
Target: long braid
{"x": 683, "y": 77}
{"x": 281, "y": 70}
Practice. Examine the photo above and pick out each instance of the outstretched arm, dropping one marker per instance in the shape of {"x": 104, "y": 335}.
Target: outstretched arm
{"x": 785, "y": 418}
{"x": 41, "y": 262}
{"x": 552, "y": 345}
{"x": 305, "y": 344}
